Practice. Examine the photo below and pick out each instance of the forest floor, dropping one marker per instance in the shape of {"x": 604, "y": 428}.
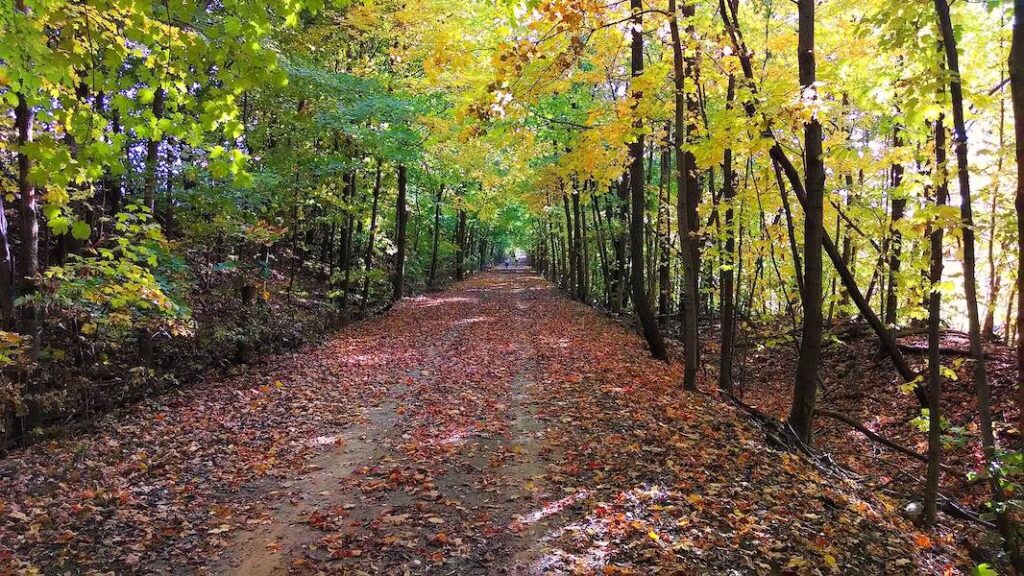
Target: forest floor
{"x": 495, "y": 428}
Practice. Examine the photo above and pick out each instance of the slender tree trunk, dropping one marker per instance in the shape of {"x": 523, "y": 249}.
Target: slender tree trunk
{"x": 460, "y": 241}
{"x": 346, "y": 242}
{"x": 577, "y": 237}
{"x": 728, "y": 319}
{"x": 553, "y": 251}
{"x": 685, "y": 187}
{"x": 28, "y": 263}
{"x": 898, "y": 204}
{"x": 368, "y": 260}
{"x": 994, "y": 280}
{"x": 1016, "y": 66}
{"x": 798, "y": 271}
{"x": 665, "y": 235}
{"x": 584, "y": 257}
{"x": 801, "y": 413}
{"x": 8, "y": 290}
{"x": 621, "y": 279}
{"x": 602, "y": 251}
{"x": 934, "y": 336}
{"x": 153, "y": 155}
{"x": 638, "y": 197}
{"x": 570, "y": 243}
{"x": 981, "y": 386}
{"x": 432, "y": 278}
{"x": 401, "y": 219}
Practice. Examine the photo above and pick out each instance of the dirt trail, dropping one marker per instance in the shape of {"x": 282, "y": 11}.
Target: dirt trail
{"x": 495, "y": 428}
{"x": 280, "y": 538}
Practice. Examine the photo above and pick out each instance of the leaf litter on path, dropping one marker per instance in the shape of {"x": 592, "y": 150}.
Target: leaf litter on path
{"x": 496, "y": 428}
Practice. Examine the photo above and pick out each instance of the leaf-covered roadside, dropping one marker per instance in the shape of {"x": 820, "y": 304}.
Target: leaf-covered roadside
{"x": 515, "y": 431}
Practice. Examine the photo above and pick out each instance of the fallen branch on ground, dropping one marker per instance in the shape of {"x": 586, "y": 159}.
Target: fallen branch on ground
{"x": 871, "y": 434}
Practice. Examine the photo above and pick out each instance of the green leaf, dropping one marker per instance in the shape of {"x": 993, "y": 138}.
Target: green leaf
{"x": 80, "y": 230}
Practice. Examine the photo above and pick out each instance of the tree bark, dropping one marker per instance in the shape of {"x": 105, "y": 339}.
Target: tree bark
{"x": 638, "y": 197}
{"x": 368, "y": 259}
{"x": 460, "y": 241}
{"x": 898, "y": 203}
{"x": 801, "y": 415}
{"x": 685, "y": 187}
{"x": 570, "y": 244}
{"x": 346, "y": 242}
{"x": 620, "y": 278}
{"x": 432, "y": 278}
{"x": 577, "y": 237}
{"x": 1016, "y": 66}
{"x": 153, "y": 155}
{"x": 664, "y": 236}
{"x": 728, "y": 319}
{"x": 934, "y": 326}
{"x": 401, "y": 220}
{"x": 28, "y": 263}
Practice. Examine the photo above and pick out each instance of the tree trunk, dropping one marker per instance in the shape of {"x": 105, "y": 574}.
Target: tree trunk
{"x": 934, "y": 320}
{"x": 637, "y": 194}
{"x": 896, "y": 237}
{"x": 346, "y": 242}
{"x": 620, "y": 279}
{"x": 728, "y": 320}
{"x": 685, "y": 187}
{"x": 28, "y": 263}
{"x": 1016, "y": 66}
{"x": 570, "y": 243}
{"x": 460, "y": 250}
{"x": 981, "y": 386}
{"x": 368, "y": 260}
{"x": 801, "y": 415}
{"x": 602, "y": 251}
{"x": 664, "y": 236}
{"x": 401, "y": 219}
{"x": 432, "y": 278}
{"x": 577, "y": 237}
{"x": 153, "y": 155}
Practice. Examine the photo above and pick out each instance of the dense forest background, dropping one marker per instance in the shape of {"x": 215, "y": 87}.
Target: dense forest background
{"x": 186, "y": 185}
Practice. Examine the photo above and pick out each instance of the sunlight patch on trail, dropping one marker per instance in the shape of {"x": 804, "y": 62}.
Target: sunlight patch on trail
{"x": 430, "y": 301}
{"x": 325, "y": 440}
{"x": 549, "y": 509}
{"x": 604, "y": 531}
{"x": 473, "y": 320}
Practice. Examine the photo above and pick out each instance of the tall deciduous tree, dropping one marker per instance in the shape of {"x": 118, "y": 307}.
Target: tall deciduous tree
{"x": 638, "y": 195}
{"x": 805, "y": 389}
